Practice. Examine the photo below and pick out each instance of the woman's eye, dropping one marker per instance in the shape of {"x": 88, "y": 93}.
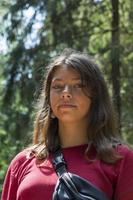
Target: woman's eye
{"x": 78, "y": 85}
{"x": 57, "y": 87}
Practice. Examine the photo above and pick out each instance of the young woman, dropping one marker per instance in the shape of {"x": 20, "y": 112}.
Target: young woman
{"x": 76, "y": 114}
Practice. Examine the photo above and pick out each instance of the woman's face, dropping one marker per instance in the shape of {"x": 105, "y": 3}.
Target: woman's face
{"x": 67, "y": 98}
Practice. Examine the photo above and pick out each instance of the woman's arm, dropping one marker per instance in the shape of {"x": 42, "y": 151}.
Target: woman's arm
{"x": 9, "y": 187}
{"x": 11, "y": 182}
{"x": 124, "y": 186}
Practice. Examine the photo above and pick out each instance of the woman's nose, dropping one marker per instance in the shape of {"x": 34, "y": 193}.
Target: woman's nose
{"x": 66, "y": 93}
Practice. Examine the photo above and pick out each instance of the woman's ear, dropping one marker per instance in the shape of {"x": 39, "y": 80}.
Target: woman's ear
{"x": 52, "y": 115}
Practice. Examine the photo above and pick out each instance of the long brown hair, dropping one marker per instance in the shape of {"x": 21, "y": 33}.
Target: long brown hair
{"x": 103, "y": 133}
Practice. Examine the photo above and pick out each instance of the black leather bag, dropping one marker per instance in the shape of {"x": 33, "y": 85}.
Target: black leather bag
{"x": 71, "y": 186}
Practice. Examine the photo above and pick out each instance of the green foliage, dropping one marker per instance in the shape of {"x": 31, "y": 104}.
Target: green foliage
{"x": 37, "y": 30}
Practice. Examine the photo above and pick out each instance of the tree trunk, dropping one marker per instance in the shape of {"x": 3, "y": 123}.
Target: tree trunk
{"x": 115, "y": 56}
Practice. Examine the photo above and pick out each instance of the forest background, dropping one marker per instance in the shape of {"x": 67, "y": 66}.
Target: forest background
{"x": 32, "y": 32}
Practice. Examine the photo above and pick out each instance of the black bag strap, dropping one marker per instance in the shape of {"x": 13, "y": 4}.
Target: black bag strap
{"x": 59, "y": 163}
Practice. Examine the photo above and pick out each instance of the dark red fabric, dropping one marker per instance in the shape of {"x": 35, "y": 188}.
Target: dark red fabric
{"x": 27, "y": 179}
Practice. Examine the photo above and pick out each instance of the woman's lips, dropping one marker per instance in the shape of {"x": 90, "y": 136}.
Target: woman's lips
{"x": 67, "y": 106}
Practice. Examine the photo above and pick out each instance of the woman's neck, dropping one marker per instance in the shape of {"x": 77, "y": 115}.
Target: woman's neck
{"x": 72, "y": 134}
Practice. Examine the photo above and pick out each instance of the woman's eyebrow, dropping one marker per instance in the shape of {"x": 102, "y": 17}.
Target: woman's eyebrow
{"x": 60, "y": 79}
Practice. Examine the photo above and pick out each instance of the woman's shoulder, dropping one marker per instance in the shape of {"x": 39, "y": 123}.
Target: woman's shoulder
{"x": 21, "y": 156}
{"x": 124, "y": 173}
{"x": 19, "y": 159}
{"x": 126, "y": 153}
{"x": 124, "y": 150}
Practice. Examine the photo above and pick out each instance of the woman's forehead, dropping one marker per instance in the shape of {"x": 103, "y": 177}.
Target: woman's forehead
{"x": 64, "y": 71}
